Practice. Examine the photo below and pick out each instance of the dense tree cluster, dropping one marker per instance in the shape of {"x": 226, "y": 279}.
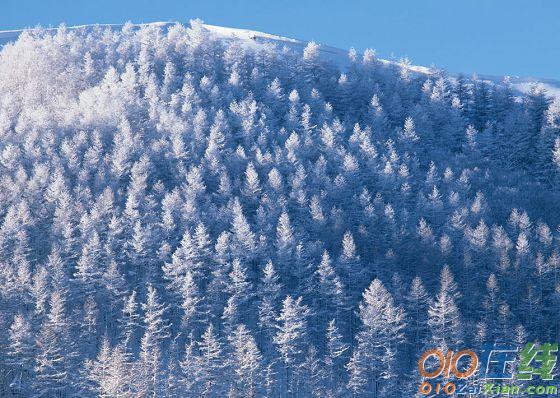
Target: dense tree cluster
{"x": 182, "y": 216}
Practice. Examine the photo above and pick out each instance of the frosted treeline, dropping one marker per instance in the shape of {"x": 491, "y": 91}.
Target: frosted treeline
{"x": 183, "y": 216}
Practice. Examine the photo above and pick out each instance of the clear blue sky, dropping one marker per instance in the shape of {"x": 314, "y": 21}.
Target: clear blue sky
{"x": 515, "y": 37}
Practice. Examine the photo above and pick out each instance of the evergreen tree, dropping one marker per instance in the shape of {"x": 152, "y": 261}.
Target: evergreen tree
{"x": 246, "y": 361}
{"x": 20, "y": 355}
{"x": 88, "y": 271}
{"x": 417, "y": 301}
{"x": 444, "y": 319}
{"x": 110, "y": 373}
{"x": 152, "y": 383}
{"x": 129, "y": 321}
{"x": 269, "y": 293}
{"x": 381, "y": 332}
{"x": 291, "y": 339}
{"x": 55, "y": 362}
{"x": 191, "y": 304}
{"x": 209, "y": 364}
{"x": 335, "y": 354}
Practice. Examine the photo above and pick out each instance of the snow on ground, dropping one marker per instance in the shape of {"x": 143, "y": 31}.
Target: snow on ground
{"x": 255, "y": 39}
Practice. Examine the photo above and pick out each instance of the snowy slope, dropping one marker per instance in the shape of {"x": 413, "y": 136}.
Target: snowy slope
{"x": 255, "y": 39}
{"x": 524, "y": 84}
{"x": 184, "y": 216}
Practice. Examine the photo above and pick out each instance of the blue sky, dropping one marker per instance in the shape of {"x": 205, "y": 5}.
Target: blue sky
{"x": 514, "y": 37}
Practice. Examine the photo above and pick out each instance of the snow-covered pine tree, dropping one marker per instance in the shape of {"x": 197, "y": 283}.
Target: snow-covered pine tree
{"x": 56, "y": 360}
{"x": 379, "y": 337}
{"x": 291, "y": 340}
{"x": 21, "y": 351}
{"x": 156, "y": 332}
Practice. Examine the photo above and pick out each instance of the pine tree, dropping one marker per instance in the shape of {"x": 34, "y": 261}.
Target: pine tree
{"x": 252, "y": 183}
{"x": 357, "y": 373}
{"x": 173, "y": 388}
{"x": 417, "y": 308}
{"x": 335, "y": 354}
{"x": 22, "y": 266}
{"x": 114, "y": 281}
{"x": 155, "y": 334}
{"x": 188, "y": 368}
{"x": 191, "y": 304}
{"x": 55, "y": 361}
{"x": 313, "y": 372}
{"x": 244, "y": 238}
{"x": 284, "y": 235}
{"x": 209, "y": 364}
{"x": 240, "y": 287}
{"x": 330, "y": 294}
{"x": 353, "y": 275}
{"x": 408, "y": 133}
{"x": 246, "y": 361}
{"x": 129, "y": 322}
{"x": 443, "y": 314}
{"x": 58, "y": 274}
{"x": 88, "y": 271}
{"x": 88, "y": 323}
{"x": 184, "y": 260}
{"x": 115, "y": 286}
{"x": 381, "y": 332}
{"x": 269, "y": 293}
{"x": 40, "y": 289}
{"x": 110, "y": 373}
{"x": 349, "y": 260}
{"x": 291, "y": 338}
{"x": 20, "y": 354}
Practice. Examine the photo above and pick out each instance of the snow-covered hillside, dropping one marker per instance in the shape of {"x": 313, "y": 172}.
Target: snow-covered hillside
{"x": 255, "y": 40}
{"x": 195, "y": 211}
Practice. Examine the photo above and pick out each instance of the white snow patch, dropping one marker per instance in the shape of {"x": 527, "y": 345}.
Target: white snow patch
{"x": 254, "y": 39}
